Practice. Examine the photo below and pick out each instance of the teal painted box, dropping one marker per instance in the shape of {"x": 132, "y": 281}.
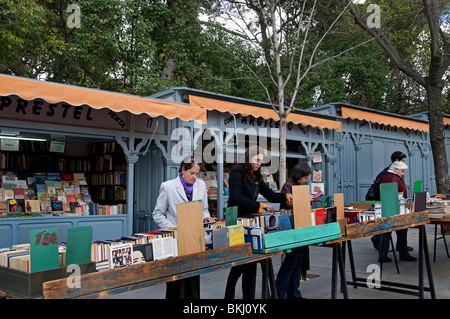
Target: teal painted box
{"x": 288, "y": 239}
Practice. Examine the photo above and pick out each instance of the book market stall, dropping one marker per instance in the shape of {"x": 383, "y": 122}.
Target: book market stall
{"x": 77, "y": 160}
{"x": 390, "y": 214}
{"x": 438, "y": 207}
{"x": 68, "y": 154}
{"x": 190, "y": 248}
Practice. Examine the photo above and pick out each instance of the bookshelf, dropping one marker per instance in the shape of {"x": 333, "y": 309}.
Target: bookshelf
{"x": 108, "y": 174}
{"x": 92, "y": 175}
{"x": 97, "y": 176}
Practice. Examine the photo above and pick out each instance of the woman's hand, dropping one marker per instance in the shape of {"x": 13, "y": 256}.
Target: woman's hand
{"x": 209, "y": 219}
{"x": 268, "y": 207}
{"x": 289, "y": 198}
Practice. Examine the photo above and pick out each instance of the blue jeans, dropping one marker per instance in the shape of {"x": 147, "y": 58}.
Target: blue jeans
{"x": 288, "y": 278}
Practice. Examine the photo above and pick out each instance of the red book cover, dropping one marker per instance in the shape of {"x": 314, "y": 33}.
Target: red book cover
{"x": 70, "y": 198}
{"x": 19, "y": 193}
{"x": 67, "y": 177}
{"x": 320, "y": 216}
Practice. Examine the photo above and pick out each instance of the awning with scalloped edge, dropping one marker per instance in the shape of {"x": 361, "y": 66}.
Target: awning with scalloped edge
{"x": 246, "y": 110}
{"x": 29, "y": 89}
{"x": 383, "y": 119}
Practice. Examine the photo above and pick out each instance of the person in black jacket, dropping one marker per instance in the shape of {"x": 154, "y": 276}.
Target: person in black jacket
{"x": 296, "y": 262}
{"x": 245, "y": 183}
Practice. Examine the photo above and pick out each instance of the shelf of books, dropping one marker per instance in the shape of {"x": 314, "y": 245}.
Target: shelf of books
{"x": 158, "y": 245}
{"x": 17, "y": 261}
{"x": 38, "y": 183}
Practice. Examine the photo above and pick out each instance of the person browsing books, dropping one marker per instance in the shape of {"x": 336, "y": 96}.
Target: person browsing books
{"x": 296, "y": 261}
{"x": 395, "y": 174}
{"x": 396, "y": 156}
{"x": 184, "y": 188}
{"x": 245, "y": 184}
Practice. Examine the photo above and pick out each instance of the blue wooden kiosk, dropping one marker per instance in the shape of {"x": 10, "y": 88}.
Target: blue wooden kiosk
{"x": 78, "y": 117}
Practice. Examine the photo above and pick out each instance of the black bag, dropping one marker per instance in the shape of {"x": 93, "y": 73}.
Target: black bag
{"x": 374, "y": 191}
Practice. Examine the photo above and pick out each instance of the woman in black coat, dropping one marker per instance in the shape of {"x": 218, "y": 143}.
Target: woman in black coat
{"x": 245, "y": 183}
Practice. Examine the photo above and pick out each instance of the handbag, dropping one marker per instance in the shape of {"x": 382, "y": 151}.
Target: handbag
{"x": 374, "y": 191}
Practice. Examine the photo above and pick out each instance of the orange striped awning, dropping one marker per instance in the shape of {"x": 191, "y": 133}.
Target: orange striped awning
{"x": 446, "y": 120}
{"x": 383, "y": 119}
{"x": 267, "y": 113}
{"x": 51, "y": 92}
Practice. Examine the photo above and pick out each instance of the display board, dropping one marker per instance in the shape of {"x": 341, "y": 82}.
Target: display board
{"x": 191, "y": 236}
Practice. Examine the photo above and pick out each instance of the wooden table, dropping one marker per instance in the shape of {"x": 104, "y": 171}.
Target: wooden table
{"x": 387, "y": 285}
{"x": 436, "y": 222}
{"x": 109, "y": 282}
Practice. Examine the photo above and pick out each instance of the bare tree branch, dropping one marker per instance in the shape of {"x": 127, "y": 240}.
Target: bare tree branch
{"x": 384, "y": 41}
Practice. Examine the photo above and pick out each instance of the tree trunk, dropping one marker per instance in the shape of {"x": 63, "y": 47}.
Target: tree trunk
{"x": 437, "y": 137}
{"x": 283, "y": 149}
{"x": 169, "y": 69}
{"x": 432, "y": 83}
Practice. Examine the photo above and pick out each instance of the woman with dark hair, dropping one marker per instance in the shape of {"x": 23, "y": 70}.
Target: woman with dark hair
{"x": 184, "y": 188}
{"x": 245, "y": 183}
{"x": 296, "y": 261}
{"x": 300, "y": 175}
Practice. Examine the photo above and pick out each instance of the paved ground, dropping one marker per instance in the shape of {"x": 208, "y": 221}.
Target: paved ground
{"x": 213, "y": 284}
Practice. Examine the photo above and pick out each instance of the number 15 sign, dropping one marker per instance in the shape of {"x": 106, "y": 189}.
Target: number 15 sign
{"x": 44, "y": 249}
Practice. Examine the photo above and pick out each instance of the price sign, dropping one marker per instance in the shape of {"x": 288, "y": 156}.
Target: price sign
{"x": 44, "y": 249}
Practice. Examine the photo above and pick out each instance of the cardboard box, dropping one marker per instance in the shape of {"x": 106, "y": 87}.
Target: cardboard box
{"x": 362, "y": 205}
{"x": 352, "y": 216}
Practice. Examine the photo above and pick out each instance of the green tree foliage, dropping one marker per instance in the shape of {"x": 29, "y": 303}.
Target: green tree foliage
{"x": 360, "y": 76}
{"x": 143, "y": 47}
{"x": 428, "y": 24}
{"x": 27, "y": 39}
{"x": 133, "y": 46}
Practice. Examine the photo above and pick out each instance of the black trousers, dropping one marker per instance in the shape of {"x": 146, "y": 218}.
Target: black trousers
{"x": 401, "y": 245}
{"x": 248, "y": 272}
{"x": 188, "y": 288}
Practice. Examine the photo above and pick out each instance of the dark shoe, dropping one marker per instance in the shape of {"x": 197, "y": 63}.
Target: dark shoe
{"x": 375, "y": 242}
{"x": 408, "y": 258}
{"x": 407, "y": 247}
{"x": 385, "y": 260}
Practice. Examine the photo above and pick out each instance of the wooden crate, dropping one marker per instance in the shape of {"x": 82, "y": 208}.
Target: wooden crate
{"x": 288, "y": 239}
{"x": 29, "y": 285}
{"x": 372, "y": 226}
{"x": 100, "y": 283}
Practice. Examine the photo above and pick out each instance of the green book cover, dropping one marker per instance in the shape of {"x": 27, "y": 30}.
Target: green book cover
{"x": 44, "y": 249}
{"x": 389, "y": 199}
{"x": 231, "y": 216}
{"x": 79, "y": 244}
{"x": 417, "y": 186}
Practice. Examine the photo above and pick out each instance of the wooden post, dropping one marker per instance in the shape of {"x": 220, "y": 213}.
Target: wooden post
{"x": 340, "y": 214}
